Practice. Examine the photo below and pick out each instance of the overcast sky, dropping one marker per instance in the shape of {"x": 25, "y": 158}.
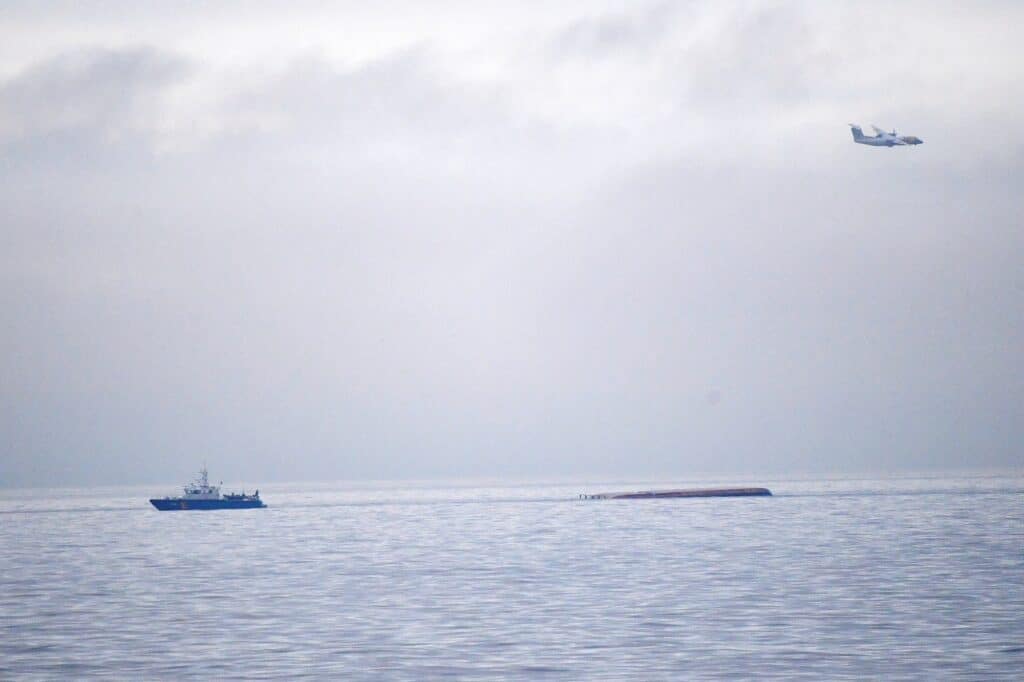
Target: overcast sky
{"x": 373, "y": 240}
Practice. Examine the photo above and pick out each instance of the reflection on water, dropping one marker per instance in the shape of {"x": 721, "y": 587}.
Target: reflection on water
{"x": 853, "y": 577}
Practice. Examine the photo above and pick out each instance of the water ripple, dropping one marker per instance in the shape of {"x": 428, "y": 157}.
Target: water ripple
{"x": 847, "y": 579}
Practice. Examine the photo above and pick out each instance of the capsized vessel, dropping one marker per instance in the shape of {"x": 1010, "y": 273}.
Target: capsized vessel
{"x": 199, "y": 494}
{"x": 693, "y": 492}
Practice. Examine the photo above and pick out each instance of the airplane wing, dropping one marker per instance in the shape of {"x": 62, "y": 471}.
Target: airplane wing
{"x": 878, "y": 131}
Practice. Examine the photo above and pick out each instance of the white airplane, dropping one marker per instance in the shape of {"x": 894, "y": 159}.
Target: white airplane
{"x": 883, "y": 139}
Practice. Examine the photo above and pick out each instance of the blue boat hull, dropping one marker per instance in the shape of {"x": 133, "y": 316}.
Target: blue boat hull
{"x": 178, "y": 504}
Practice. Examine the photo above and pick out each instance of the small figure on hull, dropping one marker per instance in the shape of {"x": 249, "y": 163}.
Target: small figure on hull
{"x": 200, "y": 495}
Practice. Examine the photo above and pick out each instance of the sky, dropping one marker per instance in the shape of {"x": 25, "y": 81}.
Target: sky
{"x": 330, "y": 241}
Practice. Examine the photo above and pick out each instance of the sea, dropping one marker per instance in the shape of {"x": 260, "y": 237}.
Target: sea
{"x": 910, "y": 577}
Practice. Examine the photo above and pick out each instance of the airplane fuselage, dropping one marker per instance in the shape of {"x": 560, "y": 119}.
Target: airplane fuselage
{"x": 883, "y": 139}
{"x": 878, "y": 141}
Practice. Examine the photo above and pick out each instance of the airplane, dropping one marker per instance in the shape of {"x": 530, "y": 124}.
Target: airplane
{"x": 883, "y": 139}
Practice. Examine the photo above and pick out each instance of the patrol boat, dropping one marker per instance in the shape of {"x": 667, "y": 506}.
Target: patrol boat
{"x": 199, "y": 494}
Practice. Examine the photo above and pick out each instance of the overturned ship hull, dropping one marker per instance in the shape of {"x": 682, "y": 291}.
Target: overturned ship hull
{"x": 693, "y": 492}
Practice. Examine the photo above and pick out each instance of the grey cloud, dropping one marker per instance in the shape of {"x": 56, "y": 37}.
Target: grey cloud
{"x": 397, "y": 105}
{"x": 399, "y": 89}
{"x": 95, "y": 90}
{"x": 641, "y": 30}
{"x": 765, "y": 56}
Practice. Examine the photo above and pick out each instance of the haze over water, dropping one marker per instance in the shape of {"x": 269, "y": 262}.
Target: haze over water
{"x": 889, "y": 578}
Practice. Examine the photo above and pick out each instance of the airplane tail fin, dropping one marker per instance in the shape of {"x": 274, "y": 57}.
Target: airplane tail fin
{"x": 858, "y": 134}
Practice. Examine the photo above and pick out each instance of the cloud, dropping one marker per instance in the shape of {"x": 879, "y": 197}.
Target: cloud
{"x": 98, "y": 91}
{"x": 398, "y": 107}
{"x": 642, "y": 30}
{"x": 762, "y": 57}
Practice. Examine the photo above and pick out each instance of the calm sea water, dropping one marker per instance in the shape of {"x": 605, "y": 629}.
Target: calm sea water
{"x": 885, "y": 579}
